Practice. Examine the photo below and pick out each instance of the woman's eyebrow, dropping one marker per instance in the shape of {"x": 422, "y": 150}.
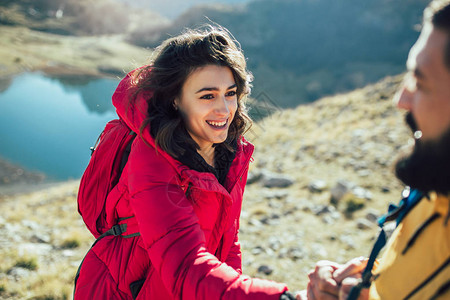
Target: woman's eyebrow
{"x": 214, "y": 88}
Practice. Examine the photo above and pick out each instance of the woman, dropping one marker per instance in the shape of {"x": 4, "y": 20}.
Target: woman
{"x": 182, "y": 186}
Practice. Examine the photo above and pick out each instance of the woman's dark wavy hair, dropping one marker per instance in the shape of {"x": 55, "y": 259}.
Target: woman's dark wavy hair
{"x": 175, "y": 59}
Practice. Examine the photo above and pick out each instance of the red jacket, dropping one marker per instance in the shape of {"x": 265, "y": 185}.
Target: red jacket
{"x": 188, "y": 248}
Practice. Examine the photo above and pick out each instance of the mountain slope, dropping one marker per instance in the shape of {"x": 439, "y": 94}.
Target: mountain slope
{"x": 352, "y": 137}
{"x": 300, "y": 51}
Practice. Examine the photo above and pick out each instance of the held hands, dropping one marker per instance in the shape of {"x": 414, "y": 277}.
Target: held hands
{"x": 332, "y": 281}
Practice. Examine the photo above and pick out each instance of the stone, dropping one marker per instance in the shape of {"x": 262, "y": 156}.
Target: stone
{"x": 18, "y": 272}
{"x": 257, "y": 250}
{"x": 265, "y": 269}
{"x": 372, "y": 216}
{"x": 40, "y": 238}
{"x": 339, "y": 191}
{"x": 317, "y": 186}
{"x": 271, "y": 194}
{"x": 363, "y": 224}
{"x": 271, "y": 180}
{"x": 254, "y": 176}
{"x": 385, "y": 189}
{"x": 348, "y": 241}
{"x": 277, "y": 181}
{"x": 361, "y": 193}
{"x": 295, "y": 253}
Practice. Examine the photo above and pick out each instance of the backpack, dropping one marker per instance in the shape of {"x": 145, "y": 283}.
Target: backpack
{"x": 108, "y": 158}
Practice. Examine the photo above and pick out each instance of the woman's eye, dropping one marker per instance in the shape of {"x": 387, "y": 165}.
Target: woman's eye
{"x": 231, "y": 93}
{"x": 207, "y": 96}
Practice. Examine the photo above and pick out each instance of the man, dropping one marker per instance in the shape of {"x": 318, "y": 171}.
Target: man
{"x": 416, "y": 261}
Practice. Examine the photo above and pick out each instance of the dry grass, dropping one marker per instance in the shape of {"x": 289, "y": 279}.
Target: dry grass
{"x": 27, "y": 50}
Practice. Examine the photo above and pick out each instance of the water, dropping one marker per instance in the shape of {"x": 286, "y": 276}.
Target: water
{"x": 48, "y": 124}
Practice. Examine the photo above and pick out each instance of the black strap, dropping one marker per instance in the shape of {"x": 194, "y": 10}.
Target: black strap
{"x": 395, "y": 212}
{"x": 116, "y": 230}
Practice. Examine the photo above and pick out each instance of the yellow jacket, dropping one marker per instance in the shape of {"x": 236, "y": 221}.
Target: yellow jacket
{"x": 416, "y": 262}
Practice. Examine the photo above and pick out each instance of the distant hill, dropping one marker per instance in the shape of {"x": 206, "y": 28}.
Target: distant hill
{"x": 78, "y": 17}
{"x": 174, "y": 8}
{"x": 298, "y": 51}
{"x": 302, "y": 50}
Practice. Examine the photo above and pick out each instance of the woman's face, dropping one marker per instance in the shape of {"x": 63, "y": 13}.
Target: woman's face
{"x": 207, "y": 104}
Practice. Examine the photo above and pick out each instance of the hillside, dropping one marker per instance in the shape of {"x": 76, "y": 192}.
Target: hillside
{"x": 346, "y": 140}
{"x": 300, "y": 51}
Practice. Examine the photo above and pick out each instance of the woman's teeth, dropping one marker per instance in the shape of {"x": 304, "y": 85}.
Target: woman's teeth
{"x": 217, "y": 124}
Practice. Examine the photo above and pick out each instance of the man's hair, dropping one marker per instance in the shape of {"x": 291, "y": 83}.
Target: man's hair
{"x": 438, "y": 14}
{"x": 174, "y": 61}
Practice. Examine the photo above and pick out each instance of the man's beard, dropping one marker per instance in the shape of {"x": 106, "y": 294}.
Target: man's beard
{"x": 427, "y": 167}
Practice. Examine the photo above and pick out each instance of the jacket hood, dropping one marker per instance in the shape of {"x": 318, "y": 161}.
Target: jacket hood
{"x": 131, "y": 112}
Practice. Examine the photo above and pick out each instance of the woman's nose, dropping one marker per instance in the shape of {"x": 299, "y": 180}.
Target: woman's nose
{"x": 222, "y": 106}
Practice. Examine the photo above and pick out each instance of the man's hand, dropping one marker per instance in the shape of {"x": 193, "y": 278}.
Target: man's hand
{"x": 347, "y": 285}
{"x": 321, "y": 283}
{"x": 332, "y": 281}
{"x": 349, "y": 275}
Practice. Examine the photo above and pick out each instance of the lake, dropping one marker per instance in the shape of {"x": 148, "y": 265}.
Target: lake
{"x": 48, "y": 124}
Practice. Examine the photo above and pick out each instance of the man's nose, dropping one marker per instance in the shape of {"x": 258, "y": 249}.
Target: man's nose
{"x": 403, "y": 97}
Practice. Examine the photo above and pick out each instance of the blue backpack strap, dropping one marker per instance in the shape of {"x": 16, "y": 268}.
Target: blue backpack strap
{"x": 395, "y": 212}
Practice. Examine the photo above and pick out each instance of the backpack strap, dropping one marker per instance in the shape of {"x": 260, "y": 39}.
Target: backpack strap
{"x": 395, "y": 212}
{"x": 131, "y": 228}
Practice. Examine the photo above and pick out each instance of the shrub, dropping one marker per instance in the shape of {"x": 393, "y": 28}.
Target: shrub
{"x": 353, "y": 204}
{"x": 27, "y": 263}
{"x": 70, "y": 244}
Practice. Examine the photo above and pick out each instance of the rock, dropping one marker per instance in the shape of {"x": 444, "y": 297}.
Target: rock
{"x": 295, "y": 253}
{"x": 257, "y": 250}
{"x": 35, "y": 249}
{"x": 254, "y": 176}
{"x": 363, "y": 224}
{"x": 271, "y": 194}
{"x": 389, "y": 228}
{"x": 265, "y": 269}
{"x": 274, "y": 243}
{"x": 277, "y": 181}
{"x": 361, "y": 193}
{"x": 274, "y": 180}
{"x": 18, "y": 273}
{"x": 348, "y": 241}
{"x": 319, "y": 251}
{"x": 40, "y": 238}
{"x": 30, "y": 224}
{"x": 317, "y": 186}
{"x": 332, "y": 237}
{"x": 339, "y": 190}
{"x": 385, "y": 189}
{"x": 255, "y": 222}
{"x": 372, "y": 216}
{"x": 364, "y": 173}
{"x": 322, "y": 209}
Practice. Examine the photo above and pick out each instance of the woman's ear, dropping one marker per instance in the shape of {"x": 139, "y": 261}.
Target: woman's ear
{"x": 175, "y": 103}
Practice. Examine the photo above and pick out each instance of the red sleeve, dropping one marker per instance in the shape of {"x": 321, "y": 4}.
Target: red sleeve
{"x": 174, "y": 240}
{"x": 234, "y": 258}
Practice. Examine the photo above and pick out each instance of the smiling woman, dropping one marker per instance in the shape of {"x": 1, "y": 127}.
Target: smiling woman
{"x": 180, "y": 193}
{"x": 207, "y": 104}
